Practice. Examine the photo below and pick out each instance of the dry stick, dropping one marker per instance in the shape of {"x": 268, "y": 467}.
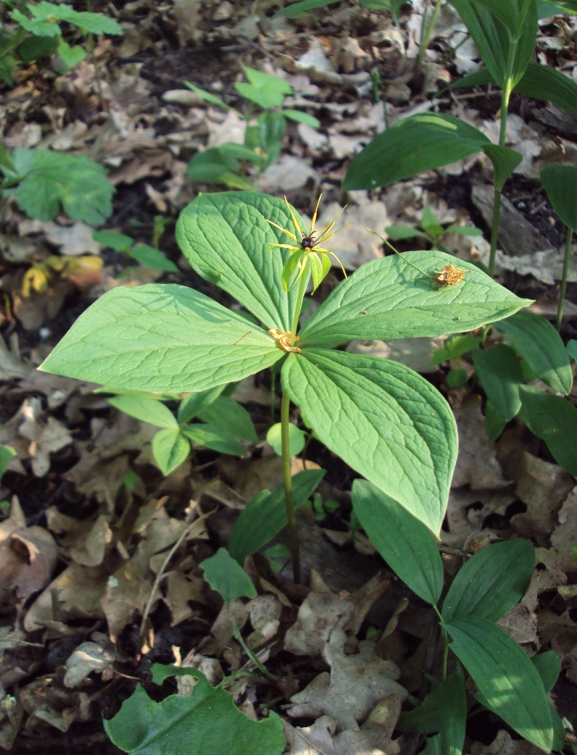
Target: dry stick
{"x": 165, "y": 563}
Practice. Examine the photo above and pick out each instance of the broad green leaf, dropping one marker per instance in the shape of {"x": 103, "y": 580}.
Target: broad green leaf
{"x": 296, "y": 439}
{"x": 500, "y": 374}
{"x": 207, "y": 96}
{"x": 228, "y": 414}
{"x": 263, "y": 89}
{"x": 216, "y": 166}
{"x": 117, "y": 241}
{"x": 493, "y": 37}
{"x": 35, "y": 26}
{"x": 214, "y": 438}
{"x": 464, "y": 230}
{"x": 227, "y": 577}
{"x": 193, "y": 403}
{"x": 152, "y": 258}
{"x": 558, "y": 7}
{"x": 298, "y": 116}
{"x": 505, "y": 677}
{"x": 560, "y": 183}
{"x": 405, "y": 543}
{"x": 388, "y": 298}
{"x": 385, "y": 421}
{"x": 545, "y": 83}
{"x": 456, "y": 377}
{"x": 6, "y": 454}
{"x": 170, "y": 449}
{"x": 443, "y": 710}
{"x": 33, "y": 48}
{"x": 455, "y": 347}
{"x": 402, "y": 232}
{"x": 494, "y": 422}
{"x": 202, "y": 722}
{"x": 504, "y": 161}
{"x": 539, "y": 343}
{"x": 491, "y": 582}
{"x": 94, "y": 23}
{"x": 6, "y": 165}
{"x": 430, "y": 223}
{"x": 413, "y": 145}
{"x": 145, "y": 408}
{"x": 226, "y": 238}
{"x": 548, "y": 665}
{"x": 70, "y": 56}
{"x": 161, "y": 338}
{"x": 52, "y": 179}
{"x": 511, "y": 13}
{"x": 265, "y": 515}
{"x": 554, "y": 420}
{"x": 296, "y": 10}
{"x": 571, "y": 349}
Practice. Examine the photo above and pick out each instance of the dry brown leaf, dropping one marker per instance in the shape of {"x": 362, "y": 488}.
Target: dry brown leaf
{"x": 322, "y": 618}
{"x": 45, "y": 437}
{"x": 86, "y": 658}
{"x": 503, "y": 744}
{"x": 477, "y": 464}
{"x": 355, "y": 685}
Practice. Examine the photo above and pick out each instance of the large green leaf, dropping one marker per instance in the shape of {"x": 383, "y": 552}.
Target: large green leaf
{"x": 225, "y": 238}
{"x": 500, "y": 373}
{"x": 413, "y": 145}
{"x": 491, "y": 582}
{"x": 161, "y": 338}
{"x": 265, "y": 515}
{"x": 385, "y": 421}
{"x": 560, "y": 183}
{"x": 546, "y": 83}
{"x": 504, "y": 161}
{"x": 226, "y": 576}
{"x": 229, "y": 415}
{"x": 443, "y": 710}
{"x": 539, "y": 343}
{"x": 94, "y": 23}
{"x": 554, "y": 420}
{"x": 389, "y": 298}
{"x": 54, "y": 178}
{"x": 494, "y": 31}
{"x": 203, "y": 722}
{"x": 145, "y": 408}
{"x": 213, "y": 437}
{"x": 505, "y": 677}
{"x": 403, "y": 541}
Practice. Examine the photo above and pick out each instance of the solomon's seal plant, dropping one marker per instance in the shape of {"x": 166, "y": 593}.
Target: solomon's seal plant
{"x": 384, "y": 420}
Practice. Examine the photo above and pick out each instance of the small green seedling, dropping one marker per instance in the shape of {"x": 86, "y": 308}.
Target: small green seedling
{"x": 432, "y": 230}
{"x": 146, "y": 255}
{"x": 37, "y": 33}
{"x": 323, "y": 508}
{"x": 223, "y": 424}
{"x": 228, "y": 163}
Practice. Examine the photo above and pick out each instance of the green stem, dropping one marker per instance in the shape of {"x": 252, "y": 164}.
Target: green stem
{"x": 272, "y": 394}
{"x": 299, "y": 306}
{"x": 563, "y": 288}
{"x": 240, "y": 639}
{"x": 427, "y": 32}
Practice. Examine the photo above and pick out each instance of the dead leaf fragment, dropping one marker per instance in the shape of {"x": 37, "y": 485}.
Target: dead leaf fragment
{"x": 88, "y": 657}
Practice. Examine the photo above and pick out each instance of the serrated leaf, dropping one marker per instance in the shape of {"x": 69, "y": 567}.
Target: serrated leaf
{"x": 170, "y": 449}
{"x": 443, "y": 710}
{"x": 296, "y": 438}
{"x": 504, "y": 161}
{"x": 145, "y": 408}
{"x": 554, "y": 420}
{"x": 507, "y": 680}
{"x": 539, "y": 343}
{"x": 385, "y": 421}
{"x": 491, "y": 582}
{"x": 413, "y": 145}
{"x": 404, "y": 542}
{"x": 500, "y": 374}
{"x": 6, "y": 454}
{"x": 226, "y": 238}
{"x": 299, "y": 116}
{"x": 161, "y": 338}
{"x": 35, "y": 26}
{"x": 228, "y": 414}
{"x": 388, "y": 298}
{"x": 560, "y": 183}
{"x": 227, "y": 577}
{"x": 152, "y": 258}
{"x": 202, "y": 722}
{"x": 213, "y": 437}
{"x": 265, "y": 515}
{"x": 52, "y": 179}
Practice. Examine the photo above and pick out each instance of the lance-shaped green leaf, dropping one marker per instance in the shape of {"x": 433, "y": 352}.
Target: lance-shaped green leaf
{"x": 505, "y": 677}
{"x": 204, "y": 721}
{"x": 161, "y": 338}
{"x": 145, "y": 408}
{"x": 226, "y": 238}
{"x": 421, "y": 142}
{"x": 405, "y": 543}
{"x": 494, "y": 36}
{"x": 500, "y": 373}
{"x": 211, "y": 436}
{"x": 389, "y": 298}
{"x": 444, "y": 710}
{"x": 541, "y": 345}
{"x": 265, "y": 516}
{"x": 504, "y": 161}
{"x": 385, "y": 421}
{"x": 170, "y": 449}
{"x": 491, "y": 582}
{"x": 229, "y": 415}
{"x": 296, "y": 10}
{"x": 560, "y": 183}
{"x": 512, "y": 13}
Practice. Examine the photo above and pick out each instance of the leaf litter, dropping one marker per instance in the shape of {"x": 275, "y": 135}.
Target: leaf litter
{"x": 90, "y": 599}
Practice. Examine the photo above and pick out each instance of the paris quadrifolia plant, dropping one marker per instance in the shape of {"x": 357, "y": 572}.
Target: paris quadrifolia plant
{"x": 384, "y": 420}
